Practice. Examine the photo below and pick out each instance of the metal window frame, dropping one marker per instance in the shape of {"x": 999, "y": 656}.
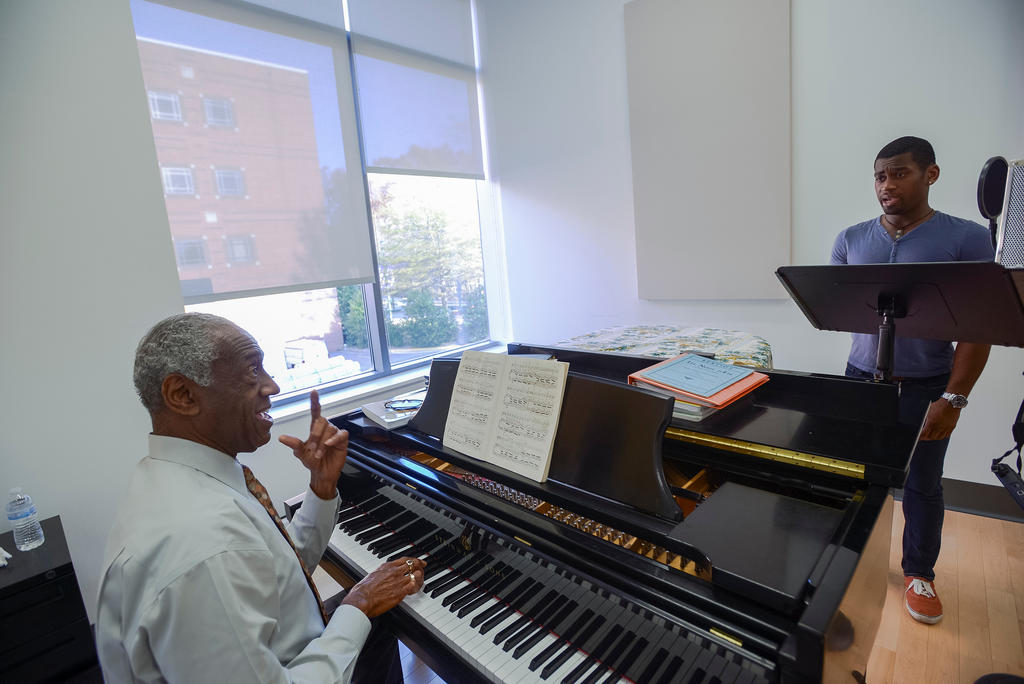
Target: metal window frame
{"x": 222, "y": 102}
{"x": 236, "y": 174}
{"x": 166, "y": 174}
{"x": 250, "y": 248}
{"x": 181, "y": 245}
{"x": 154, "y": 109}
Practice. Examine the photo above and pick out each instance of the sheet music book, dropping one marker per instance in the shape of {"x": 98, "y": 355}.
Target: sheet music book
{"x": 387, "y": 416}
{"x": 686, "y": 410}
{"x": 504, "y": 410}
{"x": 699, "y": 380}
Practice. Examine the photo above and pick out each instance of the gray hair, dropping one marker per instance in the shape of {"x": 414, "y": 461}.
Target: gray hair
{"x": 186, "y": 343}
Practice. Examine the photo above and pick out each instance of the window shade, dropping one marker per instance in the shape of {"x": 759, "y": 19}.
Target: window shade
{"x": 329, "y": 12}
{"x": 439, "y": 28}
{"x": 297, "y": 189}
{"x": 416, "y": 82}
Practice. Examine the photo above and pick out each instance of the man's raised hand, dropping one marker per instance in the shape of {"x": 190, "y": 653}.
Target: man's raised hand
{"x": 323, "y": 452}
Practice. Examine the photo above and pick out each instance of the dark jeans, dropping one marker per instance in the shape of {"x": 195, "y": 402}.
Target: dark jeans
{"x": 379, "y": 661}
{"x": 923, "y": 508}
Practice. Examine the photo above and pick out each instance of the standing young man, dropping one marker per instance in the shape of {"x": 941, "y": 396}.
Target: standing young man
{"x": 931, "y": 373}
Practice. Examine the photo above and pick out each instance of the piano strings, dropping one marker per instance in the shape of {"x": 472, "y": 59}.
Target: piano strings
{"x": 566, "y": 517}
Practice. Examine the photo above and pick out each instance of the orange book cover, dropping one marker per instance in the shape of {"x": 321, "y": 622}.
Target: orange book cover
{"x": 718, "y": 399}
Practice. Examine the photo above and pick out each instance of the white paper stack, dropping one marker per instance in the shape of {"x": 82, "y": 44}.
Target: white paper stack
{"x": 380, "y": 413}
{"x": 687, "y": 411}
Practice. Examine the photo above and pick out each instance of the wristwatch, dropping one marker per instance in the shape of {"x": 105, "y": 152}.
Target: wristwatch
{"x": 957, "y": 401}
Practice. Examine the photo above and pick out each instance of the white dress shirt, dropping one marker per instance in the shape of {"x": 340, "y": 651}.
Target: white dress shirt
{"x": 199, "y": 584}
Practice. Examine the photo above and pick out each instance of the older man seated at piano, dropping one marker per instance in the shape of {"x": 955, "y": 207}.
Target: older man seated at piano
{"x": 202, "y": 581}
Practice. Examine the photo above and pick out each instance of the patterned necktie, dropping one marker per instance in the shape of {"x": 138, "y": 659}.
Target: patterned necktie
{"x": 260, "y": 492}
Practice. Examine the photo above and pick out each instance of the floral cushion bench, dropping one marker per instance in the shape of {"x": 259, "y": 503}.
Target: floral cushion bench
{"x": 731, "y": 346}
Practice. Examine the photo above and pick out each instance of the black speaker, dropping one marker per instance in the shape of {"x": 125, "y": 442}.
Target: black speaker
{"x": 1010, "y": 237}
{"x": 1011, "y": 480}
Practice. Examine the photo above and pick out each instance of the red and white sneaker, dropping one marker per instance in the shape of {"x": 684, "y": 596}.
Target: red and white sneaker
{"x": 922, "y": 602}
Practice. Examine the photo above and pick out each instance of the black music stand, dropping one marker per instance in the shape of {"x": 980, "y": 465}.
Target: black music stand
{"x": 962, "y": 301}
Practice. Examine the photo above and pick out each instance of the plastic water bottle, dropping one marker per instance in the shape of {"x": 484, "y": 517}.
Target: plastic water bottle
{"x": 21, "y": 513}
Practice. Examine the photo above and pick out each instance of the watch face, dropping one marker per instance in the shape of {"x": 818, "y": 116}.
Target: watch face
{"x": 956, "y": 400}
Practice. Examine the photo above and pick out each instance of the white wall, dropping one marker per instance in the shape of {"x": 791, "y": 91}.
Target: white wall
{"x": 741, "y": 106}
{"x": 86, "y": 265}
{"x": 862, "y": 74}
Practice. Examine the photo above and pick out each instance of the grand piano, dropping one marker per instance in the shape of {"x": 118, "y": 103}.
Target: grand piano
{"x": 748, "y": 547}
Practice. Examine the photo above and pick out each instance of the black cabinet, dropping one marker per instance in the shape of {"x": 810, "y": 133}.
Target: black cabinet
{"x": 44, "y": 629}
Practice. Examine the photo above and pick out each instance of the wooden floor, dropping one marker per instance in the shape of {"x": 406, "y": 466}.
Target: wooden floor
{"x": 415, "y": 670}
{"x": 980, "y": 580}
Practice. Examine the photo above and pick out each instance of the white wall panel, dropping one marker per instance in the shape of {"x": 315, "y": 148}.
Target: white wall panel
{"x": 709, "y": 121}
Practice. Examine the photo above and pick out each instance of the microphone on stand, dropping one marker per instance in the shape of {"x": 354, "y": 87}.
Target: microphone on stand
{"x": 991, "y": 189}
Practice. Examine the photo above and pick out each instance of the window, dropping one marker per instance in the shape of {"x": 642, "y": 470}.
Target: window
{"x": 417, "y": 102}
{"x": 178, "y": 180}
{"x": 299, "y": 148}
{"x": 363, "y": 270}
{"x": 190, "y": 253}
{"x": 229, "y": 182}
{"x": 332, "y": 317}
{"x": 240, "y": 249}
{"x": 164, "y": 106}
{"x": 218, "y": 111}
{"x": 430, "y": 265}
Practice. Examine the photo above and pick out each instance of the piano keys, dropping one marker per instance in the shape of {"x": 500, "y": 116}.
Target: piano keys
{"x": 518, "y": 616}
{"x": 750, "y": 547}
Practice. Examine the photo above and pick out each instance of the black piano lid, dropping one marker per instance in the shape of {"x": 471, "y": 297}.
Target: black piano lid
{"x": 761, "y": 544}
{"x": 828, "y": 416}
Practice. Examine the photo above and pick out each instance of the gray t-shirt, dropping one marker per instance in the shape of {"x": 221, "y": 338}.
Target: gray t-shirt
{"x": 940, "y": 238}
